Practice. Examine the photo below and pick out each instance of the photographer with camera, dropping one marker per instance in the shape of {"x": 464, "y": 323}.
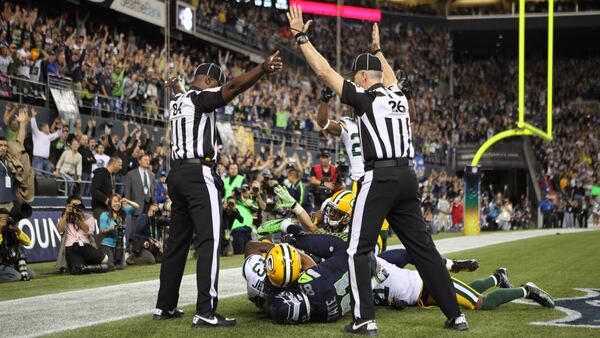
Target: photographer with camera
{"x": 78, "y": 229}
{"x": 324, "y": 178}
{"x": 112, "y": 226}
{"x": 13, "y": 265}
{"x": 249, "y": 203}
{"x": 230, "y": 215}
{"x": 147, "y": 243}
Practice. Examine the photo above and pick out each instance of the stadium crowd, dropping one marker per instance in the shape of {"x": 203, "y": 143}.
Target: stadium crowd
{"x": 116, "y": 73}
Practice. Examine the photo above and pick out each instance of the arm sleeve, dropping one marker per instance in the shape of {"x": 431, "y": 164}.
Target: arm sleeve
{"x": 79, "y": 164}
{"x": 355, "y": 96}
{"x": 313, "y": 172}
{"x": 129, "y": 209}
{"x": 34, "y": 126}
{"x": 104, "y": 221}
{"x": 55, "y": 135}
{"x": 91, "y": 222}
{"x": 208, "y": 99}
{"x": 61, "y": 160}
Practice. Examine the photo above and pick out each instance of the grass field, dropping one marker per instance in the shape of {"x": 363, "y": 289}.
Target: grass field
{"x": 48, "y": 280}
{"x": 556, "y": 263}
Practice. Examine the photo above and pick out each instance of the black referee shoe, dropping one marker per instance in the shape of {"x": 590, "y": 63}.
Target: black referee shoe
{"x": 162, "y": 314}
{"x": 212, "y": 320}
{"x": 458, "y": 323}
{"x": 363, "y": 327}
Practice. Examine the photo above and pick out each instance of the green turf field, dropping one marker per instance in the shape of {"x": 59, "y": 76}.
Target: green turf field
{"x": 556, "y": 263}
{"x": 48, "y": 280}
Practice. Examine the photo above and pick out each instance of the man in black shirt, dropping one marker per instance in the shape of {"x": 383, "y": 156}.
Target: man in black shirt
{"x": 103, "y": 185}
{"x": 87, "y": 159}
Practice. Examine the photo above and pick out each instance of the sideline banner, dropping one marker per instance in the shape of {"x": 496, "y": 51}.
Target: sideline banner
{"x": 152, "y": 11}
{"x": 45, "y": 239}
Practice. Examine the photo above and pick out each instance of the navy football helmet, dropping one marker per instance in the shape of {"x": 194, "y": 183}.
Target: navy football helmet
{"x": 290, "y": 307}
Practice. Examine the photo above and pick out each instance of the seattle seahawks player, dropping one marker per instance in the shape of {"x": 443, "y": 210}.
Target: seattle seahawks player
{"x": 398, "y": 288}
{"x": 336, "y": 215}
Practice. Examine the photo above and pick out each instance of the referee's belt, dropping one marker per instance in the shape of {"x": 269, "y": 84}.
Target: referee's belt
{"x": 397, "y": 162}
{"x": 195, "y": 161}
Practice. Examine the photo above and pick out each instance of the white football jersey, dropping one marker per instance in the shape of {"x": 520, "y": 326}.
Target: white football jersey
{"x": 351, "y": 139}
{"x": 401, "y": 284}
{"x": 254, "y": 272}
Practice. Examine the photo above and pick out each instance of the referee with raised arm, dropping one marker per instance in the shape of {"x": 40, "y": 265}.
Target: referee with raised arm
{"x": 389, "y": 187}
{"x": 196, "y": 190}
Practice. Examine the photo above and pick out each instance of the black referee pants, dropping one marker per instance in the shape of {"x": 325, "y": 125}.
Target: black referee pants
{"x": 392, "y": 193}
{"x": 195, "y": 192}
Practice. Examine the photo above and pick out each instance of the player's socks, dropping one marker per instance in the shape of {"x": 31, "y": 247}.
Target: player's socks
{"x": 501, "y": 296}
{"x": 483, "y": 284}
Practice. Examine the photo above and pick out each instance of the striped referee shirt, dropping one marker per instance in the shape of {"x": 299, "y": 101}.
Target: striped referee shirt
{"x": 383, "y": 121}
{"x": 192, "y": 122}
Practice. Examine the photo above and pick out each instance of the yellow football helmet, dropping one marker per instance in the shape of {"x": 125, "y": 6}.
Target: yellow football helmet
{"x": 283, "y": 265}
{"x": 338, "y": 210}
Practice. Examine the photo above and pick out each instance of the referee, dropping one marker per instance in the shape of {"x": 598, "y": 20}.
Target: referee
{"x": 389, "y": 187}
{"x": 196, "y": 190}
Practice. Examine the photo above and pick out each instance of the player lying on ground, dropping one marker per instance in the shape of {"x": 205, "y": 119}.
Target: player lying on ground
{"x": 321, "y": 291}
{"x": 399, "y": 288}
{"x": 334, "y": 216}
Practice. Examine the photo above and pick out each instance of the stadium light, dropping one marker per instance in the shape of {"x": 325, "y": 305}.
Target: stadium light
{"x": 349, "y": 12}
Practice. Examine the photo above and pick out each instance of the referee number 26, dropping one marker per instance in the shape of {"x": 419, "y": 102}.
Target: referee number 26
{"x": 176, "y": 108}
{"x": 397, "y": 106}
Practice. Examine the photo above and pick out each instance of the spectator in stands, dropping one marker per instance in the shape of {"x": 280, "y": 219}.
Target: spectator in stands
{"x": 5, "y": 58}
{"x": 112, "y": 226}
{"x": 69, "y": 166}
{"x": 11, "y": 125}
{"x": 147, "y": 244}
{"x": 569, "y": 219}
{"x": 117, "y": 82}
{"x": 103, "y": 185}
{"x": 24, "y": 60}
{"x": 58, "y": 146}
{"x": 52, "y": 66}
{"x": 506, "y": 215}
{"x": 105, "y": 87}
{"x": 87, "y": 160}
{"x": 78, "y": 230}
{"x": 75, "y": 59}
{"x": 41, "y": 143}
{"x": 443, "y": 207}
{"x": 233, "y": 180}
{"x": 7, "y": 189}
{"x": 241, "y": 231}
{"x": 101, "y": 159}
{"x": 140, "y": 186}
{"x": 324, "y": 178}
{"x": 296, "y": 187}
{"x": 161, "y": 188}
{"x": 457, "y": 214}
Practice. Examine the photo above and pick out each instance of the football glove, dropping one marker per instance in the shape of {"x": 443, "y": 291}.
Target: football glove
{"x": 286, "y": 201}
{"x": 272, "y": 226}
{"x": 326, "y": 94}
{"x": 404, "y": 83}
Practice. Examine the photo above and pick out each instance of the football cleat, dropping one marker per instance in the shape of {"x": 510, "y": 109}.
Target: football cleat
{"x": 212, "y": 320}
{"x": 365, "y": 328}
{"x": 162, "y": 315}
{"x": 538, "y": 295}
{"x": 458, "y": 323}
{"x": 459, "y": 265}
{"x": 501, "y": 276}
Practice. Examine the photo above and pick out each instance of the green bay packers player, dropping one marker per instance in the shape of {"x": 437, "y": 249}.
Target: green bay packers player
{"x": 398, "y": 288}
{"x": 347, "y": 130}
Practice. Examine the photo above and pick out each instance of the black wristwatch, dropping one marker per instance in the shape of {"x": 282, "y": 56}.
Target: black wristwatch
{"x": 301, "y": 38}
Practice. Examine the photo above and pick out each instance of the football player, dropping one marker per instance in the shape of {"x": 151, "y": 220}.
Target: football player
{"x": 399, "y": 288}
{"x": 347, "y": 130}
{"x": 336, "y": 215}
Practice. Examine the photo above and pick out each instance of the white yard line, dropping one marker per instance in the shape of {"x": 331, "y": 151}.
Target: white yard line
{"x": 58, "y": 312}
